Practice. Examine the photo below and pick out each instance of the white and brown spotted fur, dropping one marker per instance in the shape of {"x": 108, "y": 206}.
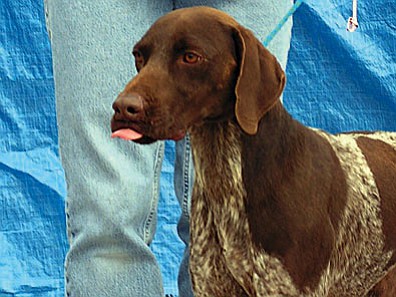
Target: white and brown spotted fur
{"x": 278, "y": 209}
{"x": 220, "y": 220}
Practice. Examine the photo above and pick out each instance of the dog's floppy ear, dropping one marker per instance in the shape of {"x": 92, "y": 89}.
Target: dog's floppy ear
{"x": 260, "y": 81}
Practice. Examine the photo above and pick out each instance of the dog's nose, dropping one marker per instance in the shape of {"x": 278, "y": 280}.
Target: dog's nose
{"x": 128, "y": 106}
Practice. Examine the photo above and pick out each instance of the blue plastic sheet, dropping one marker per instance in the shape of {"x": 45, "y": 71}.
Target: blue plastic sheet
{"x": 32, "y": 187}
{"x": 343, "y": 81}
{"x": 338, "y": 81}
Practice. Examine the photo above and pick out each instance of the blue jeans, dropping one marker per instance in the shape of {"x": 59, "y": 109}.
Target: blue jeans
{"x": 113, "y": 185}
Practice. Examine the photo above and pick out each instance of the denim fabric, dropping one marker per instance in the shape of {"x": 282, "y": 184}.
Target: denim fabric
{"x": 112, "y": 184}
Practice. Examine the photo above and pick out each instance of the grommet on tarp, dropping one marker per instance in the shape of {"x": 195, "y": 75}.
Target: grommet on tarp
{"x": 352, "y": 21}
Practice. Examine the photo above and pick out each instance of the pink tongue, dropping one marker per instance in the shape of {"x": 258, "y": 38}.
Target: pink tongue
{"x": 126, "y": 134}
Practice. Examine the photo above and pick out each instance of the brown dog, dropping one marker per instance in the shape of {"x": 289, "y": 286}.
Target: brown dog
{"x": 278, "y": 209}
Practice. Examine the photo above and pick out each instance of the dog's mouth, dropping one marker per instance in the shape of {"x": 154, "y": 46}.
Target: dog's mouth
{"x": 132, "y": 132}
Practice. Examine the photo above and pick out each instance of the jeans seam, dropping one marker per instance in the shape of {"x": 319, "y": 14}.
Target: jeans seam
{"x": 155, "y": 193}
{"x": 186, "y": 180}
{"x": 70, "y": 236}
{"x": 47, "y": 19}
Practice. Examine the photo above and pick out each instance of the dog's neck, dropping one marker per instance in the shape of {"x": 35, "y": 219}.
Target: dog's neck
{"x": 218, "y": 210}
{"x": 279, "y": 144}
{"x": 221, "y": 149}
{"x": 217, "y": 152}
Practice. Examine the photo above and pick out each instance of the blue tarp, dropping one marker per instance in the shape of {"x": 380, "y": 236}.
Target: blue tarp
{"x": 32, "y": 186}
{"x": 337, "y": 80}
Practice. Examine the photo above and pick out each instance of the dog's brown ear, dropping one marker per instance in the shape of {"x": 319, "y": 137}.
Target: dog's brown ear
{"x": 260, "y": 82}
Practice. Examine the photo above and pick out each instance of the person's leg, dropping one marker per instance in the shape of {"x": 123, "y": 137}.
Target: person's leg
{"x": 112, "y": 185}
{"x": 261, "y": 17}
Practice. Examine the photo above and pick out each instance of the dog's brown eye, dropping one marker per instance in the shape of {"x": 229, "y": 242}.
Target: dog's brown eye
{"x": 139, "y": 59}
{"x": 191, "y": 58}
{"x": 137, "y": 54}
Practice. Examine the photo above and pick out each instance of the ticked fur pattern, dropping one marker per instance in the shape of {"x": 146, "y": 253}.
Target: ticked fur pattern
{"x": 223, "y": 257}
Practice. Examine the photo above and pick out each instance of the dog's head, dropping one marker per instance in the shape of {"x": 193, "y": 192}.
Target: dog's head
{"x": 196, "y": 65}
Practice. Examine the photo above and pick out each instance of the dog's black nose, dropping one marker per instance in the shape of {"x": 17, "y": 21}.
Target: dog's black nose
{"x": 128, "y": 106}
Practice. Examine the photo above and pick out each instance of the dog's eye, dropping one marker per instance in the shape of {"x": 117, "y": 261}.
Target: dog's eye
{"x": 137, "y": 54}
{"x": 191, "y": 58}
{"x": 139, "y": 59}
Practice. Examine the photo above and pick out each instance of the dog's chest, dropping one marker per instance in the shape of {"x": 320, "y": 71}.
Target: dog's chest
{"x": 223, "y": 259}
{"x": 217, "y": 217}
